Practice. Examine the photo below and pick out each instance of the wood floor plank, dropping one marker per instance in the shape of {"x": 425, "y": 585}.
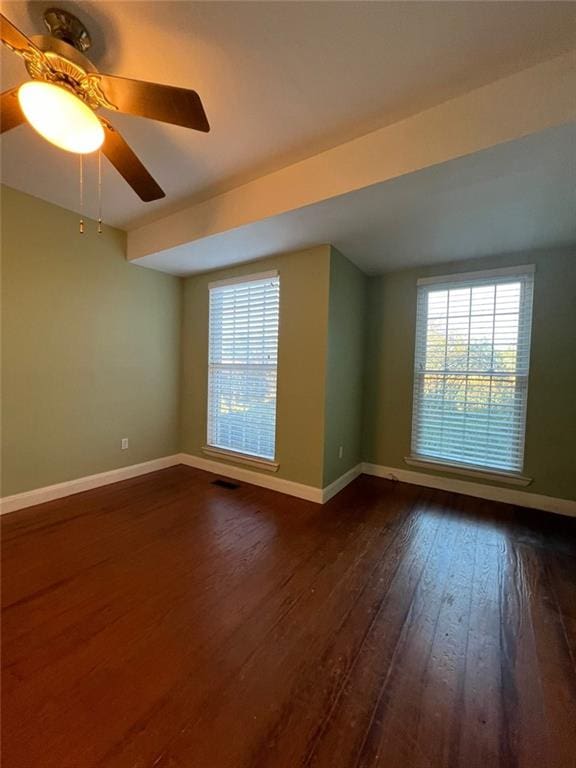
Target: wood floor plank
{"x": 165, "y": 622}
{"x": 526, "y": 727}
{"x": 398, "y": 705}
{"x": 315, "y": 595}
{"x": 315, "y": 675}
{"x": 479, "y": 712}
{"x": 557, "y": 679}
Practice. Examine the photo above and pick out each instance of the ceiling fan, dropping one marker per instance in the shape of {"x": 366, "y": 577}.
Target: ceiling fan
{"x": 66, "y": 89}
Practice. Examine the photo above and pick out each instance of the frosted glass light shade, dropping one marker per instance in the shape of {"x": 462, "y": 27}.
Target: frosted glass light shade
{"x": 60, "y": 117}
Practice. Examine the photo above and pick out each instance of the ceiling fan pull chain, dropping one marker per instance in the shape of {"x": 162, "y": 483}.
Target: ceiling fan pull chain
{"x": 81, "y": 194}
{"x": 99, "y": 192}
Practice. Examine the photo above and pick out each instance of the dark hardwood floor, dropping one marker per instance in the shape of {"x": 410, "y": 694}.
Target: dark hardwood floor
{"x": 167, "y": 622}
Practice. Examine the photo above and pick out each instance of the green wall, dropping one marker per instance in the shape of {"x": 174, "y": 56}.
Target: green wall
{"x": 344, "y": 367}
{"x": 550, "y": 458}
{"x": 302, "y": 350}
{"x": 95, "y": 349}
{"x": 90, "y": 349}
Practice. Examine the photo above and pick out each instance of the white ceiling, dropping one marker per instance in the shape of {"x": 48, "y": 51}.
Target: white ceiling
{"x": 280, "y": 81}
{"x": 516, "y": 196}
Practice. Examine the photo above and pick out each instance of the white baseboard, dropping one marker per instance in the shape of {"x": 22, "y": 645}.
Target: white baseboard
{"x": 490, "y": 492}
{"x": 301, "y": 491}
{"x": 331, "y": 490}
{"x": 272, "y": 482}
{"x": 58, "y": 491}
{"x": 68, "y": 488}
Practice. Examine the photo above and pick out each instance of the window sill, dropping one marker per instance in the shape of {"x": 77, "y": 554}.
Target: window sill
{"x": 510, "y": 478}
{"x": 241, "y": 458}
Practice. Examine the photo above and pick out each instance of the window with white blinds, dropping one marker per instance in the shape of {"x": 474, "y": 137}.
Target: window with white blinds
{"x": 471, "y": 368}
{"x": 242, "y": 365}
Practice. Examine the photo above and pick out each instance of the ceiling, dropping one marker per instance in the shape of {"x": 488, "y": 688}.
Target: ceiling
{"x": 517, "y": 196}
{"x": 282, "y": 81}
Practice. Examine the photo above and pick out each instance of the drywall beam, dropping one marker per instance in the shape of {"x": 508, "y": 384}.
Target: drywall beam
{"x": 527, "y": 102}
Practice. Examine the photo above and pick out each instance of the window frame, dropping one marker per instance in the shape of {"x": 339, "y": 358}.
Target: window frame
{"x": 525, "y": 275}
{"x": 230, "y": 454}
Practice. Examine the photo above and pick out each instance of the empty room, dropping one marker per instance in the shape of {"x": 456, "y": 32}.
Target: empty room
{"x": 288, "y": 381}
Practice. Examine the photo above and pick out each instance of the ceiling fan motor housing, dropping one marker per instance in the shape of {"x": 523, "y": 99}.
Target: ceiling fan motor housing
{"x": 66, "y": 60}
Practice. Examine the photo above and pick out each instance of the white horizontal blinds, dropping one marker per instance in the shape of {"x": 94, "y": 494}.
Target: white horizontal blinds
{"x": 471, "y": 369}
{"x": 243, "y": 358}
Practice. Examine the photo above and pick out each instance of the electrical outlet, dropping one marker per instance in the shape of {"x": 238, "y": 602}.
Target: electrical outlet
{"x": 124, "y": 443}
{"x": 340, "y": 451}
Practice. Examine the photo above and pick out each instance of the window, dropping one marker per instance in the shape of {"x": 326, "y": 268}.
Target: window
{"x": 471, "y": 369}
{"x": 242, "y": 365}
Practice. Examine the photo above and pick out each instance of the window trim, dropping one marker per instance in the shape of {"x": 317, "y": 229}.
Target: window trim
{"x": 253, "y": 278}
{"x": 269, "y": 465}
{"x": 471, "y": 470}
{"x": 258, "y": 462}
{"x": 513, "y": 477}
{"x": 481, "y": 274}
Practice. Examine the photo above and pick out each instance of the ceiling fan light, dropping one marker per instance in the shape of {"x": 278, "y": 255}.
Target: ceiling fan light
{"x": 61, "y": 117}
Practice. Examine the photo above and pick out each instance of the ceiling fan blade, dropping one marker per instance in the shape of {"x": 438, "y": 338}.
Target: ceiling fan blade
{"x": 11, "y": 116}
{"x": 129, "y": 166}
{"x": 13, "y": 38}
{"x": 166, "y": 103}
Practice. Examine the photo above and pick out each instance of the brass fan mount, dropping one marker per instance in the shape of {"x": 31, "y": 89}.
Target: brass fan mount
{"x": 59, "y": 63}
{"x": 59, "y": 58}
{"x": 68, "y": 28}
